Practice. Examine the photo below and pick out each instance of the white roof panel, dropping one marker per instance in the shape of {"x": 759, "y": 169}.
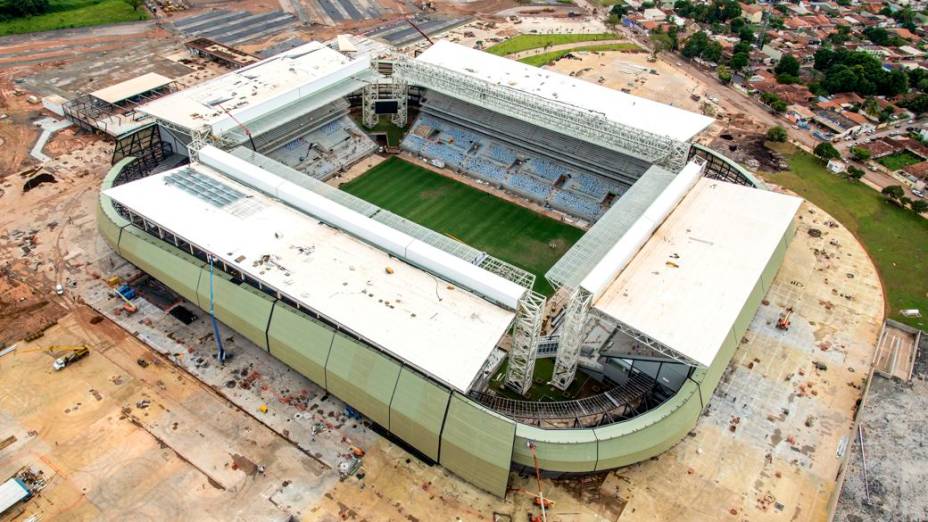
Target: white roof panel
{"x": 687, "y": 285}
{"x": 11, "y": 492}
{"x": 444, "y": 331}
{"x": 626, "y": 109}
{"x": 132, "y": 87}
{"x": 255, "y": 90}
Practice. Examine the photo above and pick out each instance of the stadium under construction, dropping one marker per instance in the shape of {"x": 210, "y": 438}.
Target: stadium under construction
{"x": 408, "y": 325}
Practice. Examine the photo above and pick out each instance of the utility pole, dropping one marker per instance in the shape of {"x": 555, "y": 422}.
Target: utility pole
{"x": 220, "y": 352}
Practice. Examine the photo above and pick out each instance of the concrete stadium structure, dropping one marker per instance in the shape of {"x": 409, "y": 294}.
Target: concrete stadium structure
{"x": 675, "y": 268}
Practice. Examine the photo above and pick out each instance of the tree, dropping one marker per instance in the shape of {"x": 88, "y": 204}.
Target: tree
{"x": 778, "y": 106}
{"x": 893, "y": 193}
{"x": 619, "y": 10}
{"x": 19, "y": 8}
{"x": 860, "y": 153}
{"x": 787, "y": 65}
{"x": 736, "y": 25}
{"x": 917, "y": 104}
{"x": 135, "y": 4}
{"x": 854, "y": 173}
{"x": 877, "y": 35}
{"x": 776, "y": 134}
{"x": 712, "y": 52}
{"x": 919, "y": 206}
{"x": 695, "y": 45}
{"x": 724, "y": 74}
{"x": 826, "y": 151}
{"x": 739, "y": 61}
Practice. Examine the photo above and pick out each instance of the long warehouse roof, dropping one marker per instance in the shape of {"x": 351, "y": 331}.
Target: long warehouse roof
{"x": 132, "y": 87}
{"x": 626, "y": 109}
{"x": 688, "y": 284}
{"x": 244, "y": 94}
{"x": 438, "y": 328}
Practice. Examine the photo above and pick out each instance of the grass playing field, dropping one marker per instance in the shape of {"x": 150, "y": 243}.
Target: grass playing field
{"x": 502, "y": 229}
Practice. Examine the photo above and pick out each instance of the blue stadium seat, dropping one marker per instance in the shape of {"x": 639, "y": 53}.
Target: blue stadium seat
{"x": 571, "y": 203}
{"x": 528, "y": 186}
{"x": 547, "y": 169}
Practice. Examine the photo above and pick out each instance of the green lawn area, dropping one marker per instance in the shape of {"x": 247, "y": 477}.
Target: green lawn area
{"x": 540, "y": 390}
{"x": 896, "y": 239}
{"x": 539, "y": 60}
{"x": 512, "y": 233}
{"x": 66, "y": 14}
{"x": 899, "y": 160}
{"x": 394, "y": 133}
{"x": 524, "y": 42}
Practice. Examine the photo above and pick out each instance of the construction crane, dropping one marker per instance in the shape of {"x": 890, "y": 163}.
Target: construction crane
{"x": 126, "y": 293}
{"x": 783, "y": 321}
{"x": 241, "y": 126}
{"x": 540, "y": 500}
{"x": 414, "y": 26}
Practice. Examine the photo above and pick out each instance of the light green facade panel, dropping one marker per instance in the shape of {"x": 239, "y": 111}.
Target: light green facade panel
{"x": 776, "y": 260}
{"x": 301, "y": 342}
{"x": 476, "y": 445}
{"x": 241, "y": 308}
{"x": 650, "y": 434}
{"x": 418, "y": 412}
{"x": 568, "y": 451}
{"x": 362, "y": 377}
{"x": 110, "y": 224}
{"x": 179, "y": 271}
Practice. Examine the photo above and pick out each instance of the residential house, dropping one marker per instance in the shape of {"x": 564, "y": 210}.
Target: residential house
{"x": 838, "y": 124}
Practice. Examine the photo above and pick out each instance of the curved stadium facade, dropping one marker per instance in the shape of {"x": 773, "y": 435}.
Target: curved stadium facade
{"x": 404, "y": 324}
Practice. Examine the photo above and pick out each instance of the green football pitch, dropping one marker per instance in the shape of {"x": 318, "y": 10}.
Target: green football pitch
{"x": 512, "y": 233}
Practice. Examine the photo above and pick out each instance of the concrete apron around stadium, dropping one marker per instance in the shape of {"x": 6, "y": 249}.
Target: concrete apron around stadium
{"x": 471, "y": 441}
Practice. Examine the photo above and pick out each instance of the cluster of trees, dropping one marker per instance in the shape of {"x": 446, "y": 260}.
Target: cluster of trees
{"x": 857, "y": 71}
{"x": 787, "y": 69}
{"x": 880, "y": 36}
{"x": 717, "y": 12}
{"x": 700, "y": 46}
{"x": 774, "y": 101}
{"x": 18, "y": 8}
{"x": 896, "y": 194}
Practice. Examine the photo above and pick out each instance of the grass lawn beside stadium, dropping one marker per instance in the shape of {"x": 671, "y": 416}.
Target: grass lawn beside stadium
{"x": 524, "y": 42}
{"x": 67, "y": 14}
{"x": 895, "y": 238}
{"x": 505, "y": 230}
{"x": 539, "y": 60}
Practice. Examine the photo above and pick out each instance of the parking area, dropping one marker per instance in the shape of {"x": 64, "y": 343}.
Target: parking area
{"x": 234, "y": 27}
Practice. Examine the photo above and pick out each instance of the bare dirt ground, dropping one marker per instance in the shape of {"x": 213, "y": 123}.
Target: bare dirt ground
{"x": 893, "y": 421}
{"x": 198, "y": 445}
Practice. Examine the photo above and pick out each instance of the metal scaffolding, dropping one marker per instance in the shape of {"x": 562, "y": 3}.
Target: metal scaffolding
{"x": 565, "y": 366}
{"x": 384, "y": 89}
{"x": 557, "y": 116}
{"x": 525, "y": 335}
{"x": 640, "y": 338}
